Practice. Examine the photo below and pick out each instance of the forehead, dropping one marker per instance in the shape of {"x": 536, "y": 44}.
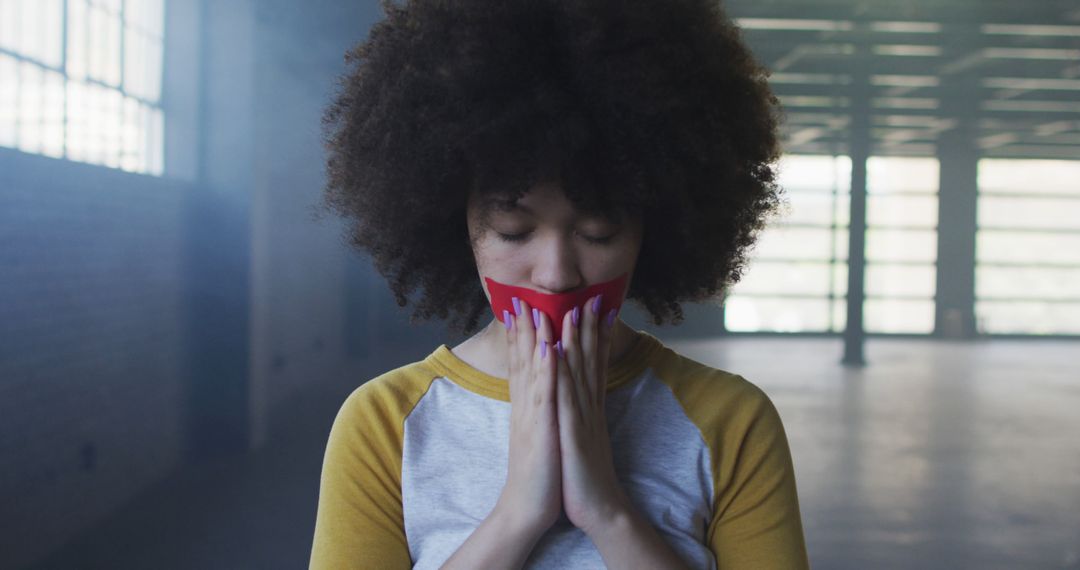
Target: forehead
{"x": 506, "y": 204}
{"x": 532, "y": 202}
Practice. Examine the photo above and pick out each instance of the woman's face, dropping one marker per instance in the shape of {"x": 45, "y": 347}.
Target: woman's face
{"x": 541, "y": 242}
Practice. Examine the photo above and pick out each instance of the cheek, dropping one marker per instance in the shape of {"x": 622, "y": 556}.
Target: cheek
{"x": 492, "y": 260}
{"x": 625, "y": 252}
{"x": 626, "y": 259}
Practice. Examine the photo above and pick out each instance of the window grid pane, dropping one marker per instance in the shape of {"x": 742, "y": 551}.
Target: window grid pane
{"x": 755, "y": 314}
{"x": 142, "y": 65}
{"x": 886, "y": 245}
{"x": 908, "y": 316}
{"x": 104, "y": 46}
{"x": 901, "y": 175}
{"x": 31, "y": 28}
{"x": 797, "y": 279}
{"x": 901, "y": 244}
{"x": 1046, "y": 177}
{"x": 1037, "y": 212}
{"x": 1031, "y": 317}
{"x": 1028, "y": 283}
{"x": 42, "y": 122}
{"x": 1027, "y": 259}
{"x": 146, "y": 16}
{"x": 1050, "y": 248}
{"x": 78, "y": 40}
{"x": 10, "y": 34}
{"x": 902, "y": 211}
{"x": 886, "y": 280}
{"x": 792, "y": 278}
{"x": 79, "y": 106}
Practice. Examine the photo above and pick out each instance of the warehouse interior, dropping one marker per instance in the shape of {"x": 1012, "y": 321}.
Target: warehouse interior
{"x": 179, "y": 325}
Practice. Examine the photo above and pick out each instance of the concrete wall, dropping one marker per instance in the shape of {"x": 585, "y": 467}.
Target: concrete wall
{"x": 91, "y": 345}
{"x": 149, "y": 323}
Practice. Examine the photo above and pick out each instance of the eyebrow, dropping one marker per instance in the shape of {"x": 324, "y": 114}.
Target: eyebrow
{"x": 507, "y": 205}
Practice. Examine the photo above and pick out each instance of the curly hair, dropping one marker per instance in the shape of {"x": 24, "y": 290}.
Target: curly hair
{"x": 647, "y": 106}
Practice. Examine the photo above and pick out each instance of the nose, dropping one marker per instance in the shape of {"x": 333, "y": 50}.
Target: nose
{"x": 555, "y": 268}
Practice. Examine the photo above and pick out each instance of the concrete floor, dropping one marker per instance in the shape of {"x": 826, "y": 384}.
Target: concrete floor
{"x": 936, "y": 455}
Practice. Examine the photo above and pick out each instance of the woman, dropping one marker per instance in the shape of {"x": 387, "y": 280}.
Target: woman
{"x": 542, "y": 161}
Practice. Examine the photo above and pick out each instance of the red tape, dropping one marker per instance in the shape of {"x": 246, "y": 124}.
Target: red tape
{"x": 555, "y": 306}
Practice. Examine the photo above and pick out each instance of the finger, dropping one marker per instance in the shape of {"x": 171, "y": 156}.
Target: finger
{"x": 605, "y": 331}
{"x": 526, "y": 340}
{"x": 547, "y": 360}
{"x": 544, "y": 328}
{"x": 590, "y": 346}
{"x": 511, "y": 350}
{"x": 575, "y": 361}
{"x": 570, "y": 414}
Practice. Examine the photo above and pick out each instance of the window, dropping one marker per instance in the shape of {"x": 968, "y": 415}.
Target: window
{"x": 901, "y": 244}
{"x": 797, "y": 278}
{"x": 81, "y": 79}
{"x": 1027, "y": 261}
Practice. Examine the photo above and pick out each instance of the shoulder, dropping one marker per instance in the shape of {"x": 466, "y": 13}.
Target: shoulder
{"x": 730, "y": 411}
{"x": 390, "y": 395}
{"x": 736, "y": 418}
{"x": 706, "y": 388}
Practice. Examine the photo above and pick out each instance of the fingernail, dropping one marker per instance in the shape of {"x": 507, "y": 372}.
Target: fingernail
{"x": 558, "y": 347}
{"x": 575, "y": 315}
{"x": 543, "y": 349}
{"x": 596, "y": 304}
{"x": 517, "y": 306}
{"x": 611, "y": 317}
{"x": 536, "y": 318}
{"x": 506, "y": 318}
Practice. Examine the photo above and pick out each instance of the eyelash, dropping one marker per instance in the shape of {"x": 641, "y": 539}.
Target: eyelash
{"x": 521, "y": 237}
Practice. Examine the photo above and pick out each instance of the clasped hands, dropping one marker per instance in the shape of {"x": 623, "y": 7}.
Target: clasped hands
{"x": 557, "y": 397}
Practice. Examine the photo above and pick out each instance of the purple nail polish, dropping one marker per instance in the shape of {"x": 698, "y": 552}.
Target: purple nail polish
{"x": 517, "y": 306}
{"x": 536, "y": 318}
{"x": 575, "y": 315}
{"x": 611, "y": 317}
{"x": 559, "y": 348}
{"x": 506, "y": 318}
{"x": 543, "y": 349}
{"x": 596, "y": 304}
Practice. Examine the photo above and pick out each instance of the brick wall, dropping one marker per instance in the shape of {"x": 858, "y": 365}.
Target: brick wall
{"x": 91, "y": 331}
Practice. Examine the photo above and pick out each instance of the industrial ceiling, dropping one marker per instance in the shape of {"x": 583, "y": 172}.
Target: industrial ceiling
{"x": 1004, "y": 73}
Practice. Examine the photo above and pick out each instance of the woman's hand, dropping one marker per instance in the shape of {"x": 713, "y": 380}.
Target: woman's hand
{"x": 532, "y": 493}
{"x": 591, "y": 493}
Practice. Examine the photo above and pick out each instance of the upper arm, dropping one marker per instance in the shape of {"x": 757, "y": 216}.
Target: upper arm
{"x": 360, "y": 523}
{"x": 757, "y": 523}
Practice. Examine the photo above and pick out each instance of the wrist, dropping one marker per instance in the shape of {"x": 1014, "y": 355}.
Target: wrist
{"x": 618, "y": 514}
{"x": 516, "y": 522}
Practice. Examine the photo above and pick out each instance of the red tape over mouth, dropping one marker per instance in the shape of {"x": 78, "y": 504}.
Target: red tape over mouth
{"x": 555, "y": 306}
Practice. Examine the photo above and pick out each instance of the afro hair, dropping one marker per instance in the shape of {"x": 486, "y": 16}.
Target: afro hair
{"x": 646, "y": 106}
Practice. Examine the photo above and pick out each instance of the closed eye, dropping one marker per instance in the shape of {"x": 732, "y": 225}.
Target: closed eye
{"x": 513, "y": 237}
{"x": 522, "y": 236}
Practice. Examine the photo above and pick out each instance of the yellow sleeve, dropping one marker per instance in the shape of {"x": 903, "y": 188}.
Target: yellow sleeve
{"x": 757, "y": 523}
{"x": 360, "y": 523}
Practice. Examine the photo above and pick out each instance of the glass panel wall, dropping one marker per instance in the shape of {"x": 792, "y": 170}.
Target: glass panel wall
{"x": 901, "y": 244}
{"x": 797, "y": 277}
{"x": 1027, "y": 261}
